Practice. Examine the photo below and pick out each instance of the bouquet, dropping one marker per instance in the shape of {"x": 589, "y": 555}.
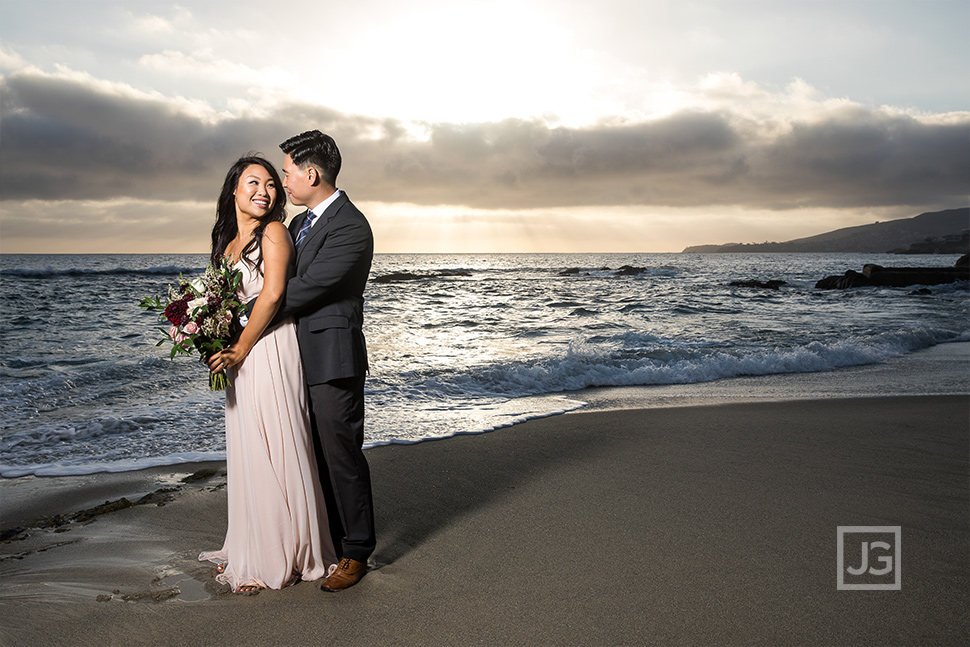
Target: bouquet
{"x": 202, "y": 314}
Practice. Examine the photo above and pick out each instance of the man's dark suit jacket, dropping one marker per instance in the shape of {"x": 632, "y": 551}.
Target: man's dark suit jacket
{"x": 326, "y": 292}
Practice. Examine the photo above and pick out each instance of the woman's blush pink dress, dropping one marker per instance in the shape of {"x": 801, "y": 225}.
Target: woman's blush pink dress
{"x": 277, "y": 529}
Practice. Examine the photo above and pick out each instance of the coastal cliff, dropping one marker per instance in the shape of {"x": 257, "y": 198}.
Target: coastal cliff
{"x": 936, "y": 232}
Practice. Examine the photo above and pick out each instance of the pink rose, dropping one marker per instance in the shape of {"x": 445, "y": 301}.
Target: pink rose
{"x": 176, "y": 335}
{"x": 191, "y": 328}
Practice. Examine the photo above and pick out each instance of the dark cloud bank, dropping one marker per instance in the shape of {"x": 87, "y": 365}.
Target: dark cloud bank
{"x": 64, "y": 139}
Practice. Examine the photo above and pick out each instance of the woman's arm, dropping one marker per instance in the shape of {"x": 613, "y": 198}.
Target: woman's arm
{"x": 277, "y": 253}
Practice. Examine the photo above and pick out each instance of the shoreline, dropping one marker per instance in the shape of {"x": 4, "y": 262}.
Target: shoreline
{"x": 672, "y": 525}
{"x": 944, "y": 368}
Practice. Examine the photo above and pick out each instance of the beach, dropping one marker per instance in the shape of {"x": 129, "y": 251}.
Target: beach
{"x": 672, "y": 523}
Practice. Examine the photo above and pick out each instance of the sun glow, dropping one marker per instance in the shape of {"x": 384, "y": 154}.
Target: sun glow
{"x": 461, "y": 63}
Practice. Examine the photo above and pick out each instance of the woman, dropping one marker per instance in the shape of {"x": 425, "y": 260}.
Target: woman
{"x": 276, "y": 508}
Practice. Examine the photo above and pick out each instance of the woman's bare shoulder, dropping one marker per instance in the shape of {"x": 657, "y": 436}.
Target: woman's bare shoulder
{"x": 276, "y": 232}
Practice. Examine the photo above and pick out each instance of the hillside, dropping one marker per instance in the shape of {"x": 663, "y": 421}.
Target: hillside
{"x": 890, "y": 236}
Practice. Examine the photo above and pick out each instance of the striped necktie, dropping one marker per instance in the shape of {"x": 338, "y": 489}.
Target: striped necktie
{"x": 305, "y": 229}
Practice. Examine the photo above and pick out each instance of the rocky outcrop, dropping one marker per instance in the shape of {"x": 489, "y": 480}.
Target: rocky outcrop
{"x": 851, "y": 279}
{"x": 772, "y": 284}
{"x": 897, "y": 277}
{"x": 575, "y": 271}
{"x": 625, "y": 270}
{"x": 396, "y": 277}
{"x": 629, "y": 270}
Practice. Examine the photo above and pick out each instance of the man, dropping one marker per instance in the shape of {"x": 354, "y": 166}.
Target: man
{"x": 334, "y": 249}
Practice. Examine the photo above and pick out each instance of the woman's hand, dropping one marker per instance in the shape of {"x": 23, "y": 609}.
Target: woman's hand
{"x": 228, "y": 357}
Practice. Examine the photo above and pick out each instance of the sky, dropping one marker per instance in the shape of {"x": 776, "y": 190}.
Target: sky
{"x": 526, "y": 126}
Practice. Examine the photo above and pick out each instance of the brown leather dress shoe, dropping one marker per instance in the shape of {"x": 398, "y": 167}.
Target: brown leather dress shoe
{"x": 349, "y": 571}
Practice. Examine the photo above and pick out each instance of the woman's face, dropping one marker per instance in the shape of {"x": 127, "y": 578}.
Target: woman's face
{"x": 255, "y": 192}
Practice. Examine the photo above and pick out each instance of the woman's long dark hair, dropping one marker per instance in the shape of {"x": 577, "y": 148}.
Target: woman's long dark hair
{"x": 226, "y": 228}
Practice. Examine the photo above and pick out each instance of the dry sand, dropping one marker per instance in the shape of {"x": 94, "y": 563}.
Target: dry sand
{"x": 687, "y": 525}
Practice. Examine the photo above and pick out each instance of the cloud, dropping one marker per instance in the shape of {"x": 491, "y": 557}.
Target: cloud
{"x": 69, "y": 136}
{"x": 205, "y": 65}
{"x": 10, "y": 60}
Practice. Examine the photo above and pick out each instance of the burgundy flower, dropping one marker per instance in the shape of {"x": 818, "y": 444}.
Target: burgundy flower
{"x": 177, "y": 312}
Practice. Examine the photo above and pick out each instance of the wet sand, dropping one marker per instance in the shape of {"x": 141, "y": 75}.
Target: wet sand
{"x": 672, "y": 525}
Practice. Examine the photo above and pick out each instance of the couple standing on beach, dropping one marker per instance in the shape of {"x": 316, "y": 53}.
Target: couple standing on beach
{"x": 299, "y": 492}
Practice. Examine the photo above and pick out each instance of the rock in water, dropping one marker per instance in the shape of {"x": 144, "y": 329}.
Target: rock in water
{"x": 772, "y": 284}
{"x": 897, "y": 277}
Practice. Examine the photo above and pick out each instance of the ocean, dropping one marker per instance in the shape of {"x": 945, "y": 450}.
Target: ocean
{"x": 478, "y": 342}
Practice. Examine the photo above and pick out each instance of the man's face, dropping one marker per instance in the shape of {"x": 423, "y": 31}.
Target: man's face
{"x": 296, "y": 181}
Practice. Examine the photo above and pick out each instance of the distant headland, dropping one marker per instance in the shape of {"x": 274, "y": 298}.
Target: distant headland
{"x": 938, "y": 232}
